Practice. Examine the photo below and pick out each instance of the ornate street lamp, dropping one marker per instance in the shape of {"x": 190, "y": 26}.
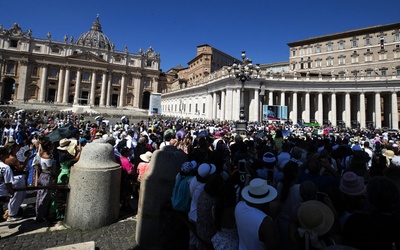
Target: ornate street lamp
{"x": 244, "y": 71}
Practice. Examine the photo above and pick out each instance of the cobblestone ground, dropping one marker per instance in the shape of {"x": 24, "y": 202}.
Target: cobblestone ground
{"x": 120, "y": 235}
{"x": 29, "y": 234}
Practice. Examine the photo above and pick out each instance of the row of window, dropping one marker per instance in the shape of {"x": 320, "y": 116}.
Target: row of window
{"x": 341, "y": 60}
{"x": 354, "y": 43}
{"x": 182, "y": 108}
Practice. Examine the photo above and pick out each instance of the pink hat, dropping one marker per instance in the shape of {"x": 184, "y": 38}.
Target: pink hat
{"x": 352, "y": 184}
{"x": 219, "y": 134}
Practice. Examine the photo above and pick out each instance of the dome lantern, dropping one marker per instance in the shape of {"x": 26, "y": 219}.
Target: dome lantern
{"x": 95, "y": 37}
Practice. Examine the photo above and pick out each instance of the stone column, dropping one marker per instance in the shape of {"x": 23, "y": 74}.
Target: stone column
{"x": 77, "y": 86}
{"x": 154, "y": 219}
{"x": 395, "y": 112}
{"x": 42, "y": 93}
{"x": 307, "y": 107}
{"x": 223, "y": 115}
{"x": 237, "y": 104}
{"x": 60, "y": 85}
{"x": 270, "y": 98}
{"x": 255, "y": 111}
{"x": 214, "y": 106}
{"x": 333, "y": 110}
{"x": 108, "y": 97}
{"x": 95, "y": 182}
{"x": 283, "y": 98}
{"x": 122, "y": 97}
{"x": 93, "y": 89}
{"x": 229, "y": 104}
{"x": 320, "y": 118}
{"x": 138, "y": 88}
{"x": 23, "y": 73}
{"x": 103, "y": 90}
{"x": 362, "y": 111}
{"x": 209, "y": 106}
{"x": 378, "y": 111}
{"x": 66, "y": 85}
{"x": 294, "y": 108}
{"x": 347, "y": 112}
{"x": 154, "y": 84}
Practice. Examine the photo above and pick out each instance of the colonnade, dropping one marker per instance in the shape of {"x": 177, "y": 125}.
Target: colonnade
{"x": 335, "y": 108}
{"x": 104, "y": 88}
{"x": 64, "y": 84}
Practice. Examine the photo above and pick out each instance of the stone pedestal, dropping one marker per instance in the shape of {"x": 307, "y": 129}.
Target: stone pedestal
{"x": 94, "y": 198}
{"x": 153, "y": 227}
{"x": 241, "y": 128}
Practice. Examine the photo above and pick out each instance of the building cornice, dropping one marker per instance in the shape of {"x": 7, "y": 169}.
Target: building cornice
{"x": 346, "y": 34}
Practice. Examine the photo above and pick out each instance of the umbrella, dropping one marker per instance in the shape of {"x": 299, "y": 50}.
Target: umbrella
{"x": 168, "y": 131}
{"x": 202, "y": 133}
{"x": 180, "y": 134}
{"x": 98, "y": 118}
{"x": 20, "y": 111}
{"x": 260, "y": 135}
{"x": 31, "y": 123}
{"x": 286, "y": 132}
{"x": 60, "y": 133}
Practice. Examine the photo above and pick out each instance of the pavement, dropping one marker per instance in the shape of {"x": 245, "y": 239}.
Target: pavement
{"x": 27, "y": 233}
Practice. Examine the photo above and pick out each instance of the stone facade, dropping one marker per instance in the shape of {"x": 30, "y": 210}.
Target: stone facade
{"x": 88, "y": 71}
{"x": 208, "y": 59}
{"x": 354, "y": 83}
{"x": 367, "y": 52}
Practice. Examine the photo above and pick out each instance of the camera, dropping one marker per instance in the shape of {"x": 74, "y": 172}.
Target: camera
{"x": 242, "y": 170}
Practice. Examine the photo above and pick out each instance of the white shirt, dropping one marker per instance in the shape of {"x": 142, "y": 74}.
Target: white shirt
{"x": 370, "y": 153}
{"x": 11, "y": 135}
{"x": 195, "y": 188}
{"x": 283, "y": 158}
{"x": 248, "y": 221}
{"x": 6, "y": 176}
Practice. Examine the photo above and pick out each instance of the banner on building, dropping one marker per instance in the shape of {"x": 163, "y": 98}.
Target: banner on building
{"x": 155, "y": 104}
{"x": 274, "y": 113}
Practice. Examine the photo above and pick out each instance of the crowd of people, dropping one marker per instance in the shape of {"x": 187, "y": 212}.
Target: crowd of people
{"x": 280, "y": 186}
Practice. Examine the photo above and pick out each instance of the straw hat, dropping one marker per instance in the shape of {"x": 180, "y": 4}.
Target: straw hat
{"x": 146, "y": 156}
{"x": 314, "y": 216}
{"x": 269, "y": 157}
{"x": 68, "y": 145}
{"x": 352, "y": 184}
{"x": 259, "y": 192}
{"x": 389, "y": 154}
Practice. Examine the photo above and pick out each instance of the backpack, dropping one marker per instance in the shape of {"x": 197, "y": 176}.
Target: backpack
{"x": 181, "y": 194}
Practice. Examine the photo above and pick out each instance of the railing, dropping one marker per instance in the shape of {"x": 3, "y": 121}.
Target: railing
{"x": 51, "y": 187}
{"x": 283, "y": 77}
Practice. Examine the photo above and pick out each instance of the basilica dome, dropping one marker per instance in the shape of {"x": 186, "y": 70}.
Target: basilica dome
{"x": 95, "y": 37}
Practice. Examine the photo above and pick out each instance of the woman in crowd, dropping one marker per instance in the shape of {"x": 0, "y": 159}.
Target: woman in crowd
{"x": 46, "y": 178}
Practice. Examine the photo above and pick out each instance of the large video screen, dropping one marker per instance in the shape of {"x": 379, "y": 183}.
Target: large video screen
{"x": 274, "y": 112}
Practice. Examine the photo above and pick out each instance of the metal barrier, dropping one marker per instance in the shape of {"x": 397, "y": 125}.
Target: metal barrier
{"x": 51, "y": 187}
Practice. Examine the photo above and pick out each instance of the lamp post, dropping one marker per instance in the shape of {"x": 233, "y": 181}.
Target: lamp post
{"x": 243, "y": 71}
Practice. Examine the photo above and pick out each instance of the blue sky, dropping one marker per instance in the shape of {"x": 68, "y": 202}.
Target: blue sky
{"x": 175, "y": 28}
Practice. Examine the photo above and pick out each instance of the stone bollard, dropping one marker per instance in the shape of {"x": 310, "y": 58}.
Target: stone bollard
{"x": 155, "y": 194}
{"x": 94, "y": 198}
